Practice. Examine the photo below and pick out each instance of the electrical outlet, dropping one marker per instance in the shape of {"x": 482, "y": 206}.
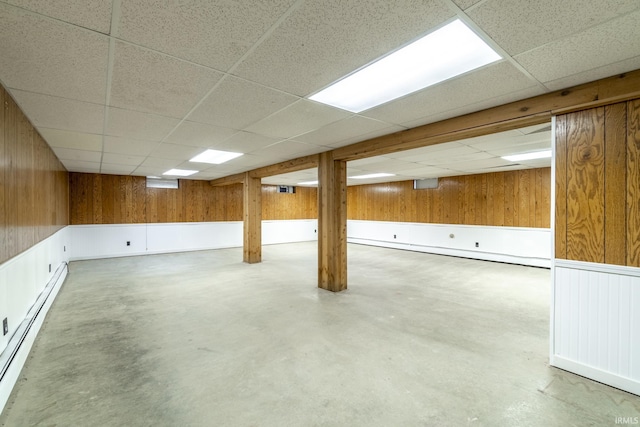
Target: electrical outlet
{"x": 64, "y": 249}
{"x": 394, "y": 236}
{"x": 128, "y": 243}
{"x": 49, "y": 268}
{"x": 477, "y": 245}
{"x": 315, "y": 231}
{"x": 5, "y": 326}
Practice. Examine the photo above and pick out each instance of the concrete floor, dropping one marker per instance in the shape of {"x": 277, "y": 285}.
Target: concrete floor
{"x": 200, "y": 339}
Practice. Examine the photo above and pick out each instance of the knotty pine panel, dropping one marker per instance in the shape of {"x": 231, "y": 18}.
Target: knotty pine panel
{"x": 34, "y": 186}
{"x": 303, "y": 204}
{"x": 482, "y": 199}
{"x": 115, "y": 199}
{"x": 598, "y": 182}
{"x": 633, "y": 183}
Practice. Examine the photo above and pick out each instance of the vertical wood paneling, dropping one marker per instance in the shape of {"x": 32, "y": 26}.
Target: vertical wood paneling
{"x": 585, "y": 191}
{"x": 615, "y": 183}
{"x": 598, "y": 181}
{"x": 3, "y": 187}
{"x": 113, "y": 199}
{"x": 284, "y": 206}
{"x": 483, "y": 199}
{"x": 633, "y": 183}
{"x": 34, "y": 187}
{"x": 561, "y": 188}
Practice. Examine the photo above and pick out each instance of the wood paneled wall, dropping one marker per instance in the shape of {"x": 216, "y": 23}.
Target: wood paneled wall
{"x": 303, "y": 204}
{"x": 115, "y": 199}
{"x": 515, "y": 198}
{"x": 598, "y": 185}
{"x": 34, "y": 187}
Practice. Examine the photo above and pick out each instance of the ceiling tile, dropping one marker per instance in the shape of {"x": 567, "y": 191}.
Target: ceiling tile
{"x": 486, "y": 83}
{"x": 595, "y": 74}
{"x": 59, "y": 113}
{"x": 199, "y": 134}
{"x": 499, "y": 142}
{"x": 136, "y": 125}
{"x": 148, "y": 171}
{"x": 490, "y": 162}
{"x": 354, "y": 128}
{"x": 122, "y": 159}
{"x": 446, "y": 150}
{"x": 302, "y": 117}
{"x": 477, "y": 106}
{"x": 323, "y": 41}
{"x": 81, "y": 166}
{"x": 237, "y": 103}
{"x": 289, "y": 150}
{"x": 71, "y": 154}
{"x": 92, "y": 14}
{"x": 453, "y": 161}
{"x": 466, "y": 4}
{"x": 160, "y": 163}
{"x": 518, "y": 26}
{"x": 116, "y": 169}
{"x": 176, "y": 152}
{"x": 155, "y": 83}
{"x": 521, "y": 148}
{"x": 608, "y": 43}
{"x": 215, "y": 33}
{"x": 385, "y": 165}
{"x": 76, "y": 140}
{"x": 246, "y": 142}
{"x": 424, "y": 172}
{"x": 46, "y": 56}
{"x": 131, "y": 147}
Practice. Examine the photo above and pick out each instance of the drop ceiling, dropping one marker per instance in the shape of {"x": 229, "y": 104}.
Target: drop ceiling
{"x": 140, "y": 87}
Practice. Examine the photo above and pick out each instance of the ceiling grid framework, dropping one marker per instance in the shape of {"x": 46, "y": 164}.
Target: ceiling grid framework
{"x": 141, "y": 86}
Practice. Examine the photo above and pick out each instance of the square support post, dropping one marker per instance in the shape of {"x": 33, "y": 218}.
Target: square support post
{"x": 332, "y": 223}
{"x": 252, "y": 214}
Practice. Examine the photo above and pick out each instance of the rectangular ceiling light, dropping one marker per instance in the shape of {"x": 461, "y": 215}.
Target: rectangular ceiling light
{"x": 445, "y": 53}
{"x": 371, "y": 175}
{"x": 215, "y": 157}
{"x": 528, "y": 156}
{"x": 308, "y": 183}
{"x": 179, "y": 172}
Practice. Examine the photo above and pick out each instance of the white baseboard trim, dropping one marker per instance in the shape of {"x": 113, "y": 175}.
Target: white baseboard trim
{"x": 14, "y": 356}
{"x": 613, "y": 380}
{"x": 485, "y": 256}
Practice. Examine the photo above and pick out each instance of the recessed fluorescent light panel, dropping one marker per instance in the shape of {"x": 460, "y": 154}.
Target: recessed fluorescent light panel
{"x": 371, "y": 175}
{"x": 308, "y": 183}
{"x": 179, "y": 172}
{"x": 445, "y": 53}
{"x": 528, "y": 156}
{"x": 215, "y": 157}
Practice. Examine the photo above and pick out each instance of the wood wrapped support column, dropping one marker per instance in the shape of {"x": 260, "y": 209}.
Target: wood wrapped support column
{"x": 252, "y": 214}
{"x": 332, "y": 223}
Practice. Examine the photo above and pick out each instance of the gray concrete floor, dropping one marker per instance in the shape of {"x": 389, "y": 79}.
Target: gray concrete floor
{"x": 201, "y": 339}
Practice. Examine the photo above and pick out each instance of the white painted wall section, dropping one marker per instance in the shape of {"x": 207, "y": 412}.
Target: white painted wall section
{"x": 27, "y": 289}
{"x": 519, "y": 245}
{"x": 110, "y": 240}
{"x": 596, "y": 322}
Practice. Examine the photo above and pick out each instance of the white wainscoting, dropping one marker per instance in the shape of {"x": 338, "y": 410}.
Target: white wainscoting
{"x": 518, "y": 245}
{"x": 300, "y": 230}
{"x": 110, "y": 240}
{"x": 596, "y": 322}
{"x": 27, "y": 289}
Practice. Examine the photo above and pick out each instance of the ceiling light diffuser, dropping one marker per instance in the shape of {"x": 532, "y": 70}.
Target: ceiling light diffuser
{"x": 371, "y": 175}
{"x": 440, "y": 55}
{"x": 215, "y": 157}
{"x": 179, "y": 172}
{"x": 528, "y": 156}
{"x": 308, "y": 183}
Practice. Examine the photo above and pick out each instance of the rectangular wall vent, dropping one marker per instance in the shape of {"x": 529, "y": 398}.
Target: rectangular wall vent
{"x": 422, "y": 184}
